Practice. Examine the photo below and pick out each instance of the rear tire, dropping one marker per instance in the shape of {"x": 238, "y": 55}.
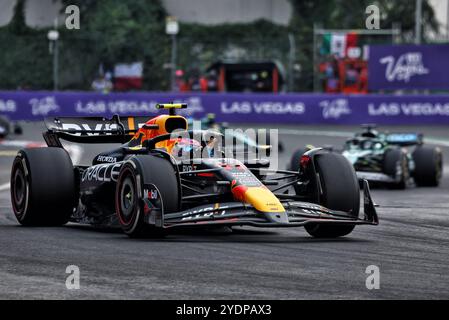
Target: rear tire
{"x": 428, "y": 166}
{"x": 43, "y": 191}
{"x": 341, "y": 192}
{"x": 128, "y": 201}
{"x": 4, "y": 127}
{"x": 392, "y": 158}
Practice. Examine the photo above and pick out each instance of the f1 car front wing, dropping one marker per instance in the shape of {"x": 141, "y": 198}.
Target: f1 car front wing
{"x": 297, "y": 214}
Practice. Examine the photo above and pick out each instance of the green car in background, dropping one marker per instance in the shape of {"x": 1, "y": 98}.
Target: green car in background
{"x": 241, "y": 142}
{"x": 396, "y": 160}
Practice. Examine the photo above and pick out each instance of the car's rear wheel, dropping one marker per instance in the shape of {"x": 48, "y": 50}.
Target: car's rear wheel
{"x": 43, "y": 191}
{"x": 428, "y": 166}
{"x": 4, "y": 126}
{"x": 340, "y": 191}
{"x": 145, "y": 169}
{"x": 396, "y": 164}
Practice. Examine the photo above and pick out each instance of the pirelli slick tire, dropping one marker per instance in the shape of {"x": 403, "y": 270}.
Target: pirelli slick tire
{"x": 428, "y": 166}
{"x": 394, "y": 160}
{"x": 43, "y": 190}
{"x": 4, "y": 127}
{"x": 340, "y": 191}
{"x": 140, "y": 170}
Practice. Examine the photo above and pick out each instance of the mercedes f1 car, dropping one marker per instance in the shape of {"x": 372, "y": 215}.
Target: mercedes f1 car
{"x": 165, "y": 176}
{"x": 393, "y": 159}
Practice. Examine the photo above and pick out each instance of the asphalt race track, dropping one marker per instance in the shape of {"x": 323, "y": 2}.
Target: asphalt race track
{"x": 410, "y": 247}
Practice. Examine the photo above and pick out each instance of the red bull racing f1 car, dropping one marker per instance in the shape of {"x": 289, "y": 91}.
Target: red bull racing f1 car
{"x": 164, "y": 176}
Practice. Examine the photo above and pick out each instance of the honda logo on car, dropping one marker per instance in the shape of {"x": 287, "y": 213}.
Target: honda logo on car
{"x": 107, "y": 159}
{"x": 102, "y": 173}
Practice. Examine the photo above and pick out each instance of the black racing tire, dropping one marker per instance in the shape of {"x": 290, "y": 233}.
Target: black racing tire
{"x": 295, "y": 158}
{"x": 5, "y": 125}
{"x": 341, "y": 192}
{"x": 128, "y": 202}
{"x": 428, "y": 166}
{"x": 43, "y": 187}
{"x": 390, "y": 166}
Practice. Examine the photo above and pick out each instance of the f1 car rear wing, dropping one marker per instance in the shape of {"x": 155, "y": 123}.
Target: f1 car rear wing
{"x": 92, "y": 129}
{"x": 404, "y": 139}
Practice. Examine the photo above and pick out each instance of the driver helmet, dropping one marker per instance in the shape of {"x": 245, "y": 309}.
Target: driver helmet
{"x": 186, "y": 148}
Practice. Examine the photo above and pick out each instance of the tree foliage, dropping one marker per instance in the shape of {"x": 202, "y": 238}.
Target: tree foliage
{"x": 25, "y": 62}
{"x": 120, "y": 31}
{"x": 115, "y": 31}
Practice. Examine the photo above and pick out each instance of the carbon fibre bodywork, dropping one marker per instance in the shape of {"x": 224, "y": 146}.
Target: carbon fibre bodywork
{"x": 213, "y": 190}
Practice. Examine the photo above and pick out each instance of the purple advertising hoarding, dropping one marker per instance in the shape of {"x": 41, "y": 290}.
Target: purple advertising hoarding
{"x": 243, "y": 108}
{"x": 392, "y": 67}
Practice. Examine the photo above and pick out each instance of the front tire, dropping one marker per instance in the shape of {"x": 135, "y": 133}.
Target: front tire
{"x": 394, "y": 160}
{"x": 134, "y": 174}
{"x": 340, "y": 191}
{"x": 43, "y": 191}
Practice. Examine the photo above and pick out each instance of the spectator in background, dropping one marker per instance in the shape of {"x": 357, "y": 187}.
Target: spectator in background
{"x": 203, "y": 84}
{"x": 103, "y": 83}
{"x": 212, "y": 81}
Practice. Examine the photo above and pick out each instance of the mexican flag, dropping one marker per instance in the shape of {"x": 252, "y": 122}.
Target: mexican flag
{"x": 338, "y": 43}
{"x": 128, "y": 76}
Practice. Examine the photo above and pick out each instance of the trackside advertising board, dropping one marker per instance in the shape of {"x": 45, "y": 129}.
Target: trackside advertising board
{"x": 392, "y": 67}
{"x": 247, "y": 108}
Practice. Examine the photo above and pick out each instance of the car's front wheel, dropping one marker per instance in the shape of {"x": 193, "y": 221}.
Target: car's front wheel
{"x": 396, "y": 166}
{"x": 141, "y": 170}
{"x": 339, "y": 191}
